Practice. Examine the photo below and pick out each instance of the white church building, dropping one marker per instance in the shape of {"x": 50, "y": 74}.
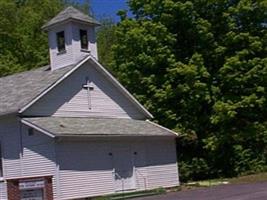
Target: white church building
{"x": 70, "y": 130}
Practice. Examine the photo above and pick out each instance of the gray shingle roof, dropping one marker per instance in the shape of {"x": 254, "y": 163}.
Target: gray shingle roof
{"x": 98, "y": 127}
{"x": 19, "y": 89}
{"x": 71, "y": 13}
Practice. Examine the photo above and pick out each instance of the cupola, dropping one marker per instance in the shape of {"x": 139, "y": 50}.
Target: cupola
{"x": 71, "y": 37}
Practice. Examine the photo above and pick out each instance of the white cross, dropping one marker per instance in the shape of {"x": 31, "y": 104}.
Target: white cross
{"x": 88, "y": 86}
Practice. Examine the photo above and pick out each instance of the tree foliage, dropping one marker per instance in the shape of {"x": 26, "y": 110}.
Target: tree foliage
{"x": 200, "y": 67}
{"x": 23, "y": 44}
{"x": 105, "y": 39}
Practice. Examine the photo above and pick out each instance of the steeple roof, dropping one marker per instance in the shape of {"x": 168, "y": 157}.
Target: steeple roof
{"x": 71, "y": 14}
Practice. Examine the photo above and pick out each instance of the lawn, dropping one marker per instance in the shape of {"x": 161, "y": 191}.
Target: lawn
{"x": 238, "y": 180}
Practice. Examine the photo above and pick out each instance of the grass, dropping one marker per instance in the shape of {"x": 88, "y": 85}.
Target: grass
{"x": 249, "y": 178}
{"x": 129, "y": 195}
{"x": 261, "y": 177}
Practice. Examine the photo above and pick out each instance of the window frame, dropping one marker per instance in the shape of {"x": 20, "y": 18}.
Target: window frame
{"x": 84, "y": 33}
{"x": 61, "y": 45}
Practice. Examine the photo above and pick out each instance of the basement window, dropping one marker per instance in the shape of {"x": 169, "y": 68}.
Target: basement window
{"x": 84, "y": 39}
{"x": 61, "y": 42}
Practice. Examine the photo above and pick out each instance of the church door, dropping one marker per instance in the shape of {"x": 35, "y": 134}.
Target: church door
{"x": 124, "y": 177}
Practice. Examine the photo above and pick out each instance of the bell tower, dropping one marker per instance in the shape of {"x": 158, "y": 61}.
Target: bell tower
{"x": 71, "y": 37}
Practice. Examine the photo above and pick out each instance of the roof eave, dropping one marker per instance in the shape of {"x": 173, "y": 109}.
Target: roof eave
{"x": 164, "y": 128}
{"x": 48, "y": 89}
{"x": 124, "y": 90}
{"x": 109, "y": 75}
{"x": 48, "y": 27}
{"x": 38, "y": 128}
{"x": 12, "y": 112}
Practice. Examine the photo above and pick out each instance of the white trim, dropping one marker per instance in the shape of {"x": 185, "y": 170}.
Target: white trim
{"x": 53, "y": 85}
{"x": 116, "y": 83}
{"x": 123, "y": 89}
{"x": 2, "y": 159}
{"x": 37, "y": 128}
{"x": 57, "y": 172}
{"x": 162, "y": 127}
{"x": 29, "y": 177}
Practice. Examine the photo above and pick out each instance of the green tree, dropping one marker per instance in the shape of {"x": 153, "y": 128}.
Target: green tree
{"x": 200, "y": 67}
{"x": 105, "y": 39}
{"x": 23, "y": 44}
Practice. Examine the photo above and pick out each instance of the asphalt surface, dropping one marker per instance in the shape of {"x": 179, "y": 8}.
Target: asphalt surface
{"x": 254, "y": 191}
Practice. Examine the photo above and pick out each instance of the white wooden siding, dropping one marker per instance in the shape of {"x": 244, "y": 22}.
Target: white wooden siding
{"x": 73, "y": 52}
{"x": 88, "y": 167}
{"x": 162, "y": 166}
{"x": 76, "y": 42}
{"x": 140, "y": 164}
{"x": 24, "y": 155}
{"x": 85, "y": 170}
{"x": 38, "y": 157}
{"x": 3, "y": 190}
{"x": 85, "y": 167}
{"x": 58, "y": 60}
{"x": 71, "y": 100}
{"x": 10, "y": 140}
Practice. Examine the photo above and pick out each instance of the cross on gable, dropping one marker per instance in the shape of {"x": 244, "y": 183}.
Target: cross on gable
{"x": 89, "y": 87}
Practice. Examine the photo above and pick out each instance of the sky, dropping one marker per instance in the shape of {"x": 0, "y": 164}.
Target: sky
{"x": 108, "y": 8}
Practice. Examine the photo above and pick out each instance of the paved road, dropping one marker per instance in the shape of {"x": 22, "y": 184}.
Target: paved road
{"x": 255, "y": 191}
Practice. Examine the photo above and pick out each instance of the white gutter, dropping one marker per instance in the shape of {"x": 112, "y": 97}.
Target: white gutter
{"x": 162, "y": 127}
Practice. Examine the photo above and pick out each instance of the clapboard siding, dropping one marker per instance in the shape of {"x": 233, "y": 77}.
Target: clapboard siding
{"x": 76, "y": 42}
{"x": 38, "y": 156}
{"x": 73, "y": 53}
{"x": 92, "y": 166}
{"x": 85, "y": 167}
{"x": 10, "y": 140}
{"x": 161, "y": 167}
{"x": 139, "y": 162}
{"x": 58, "y": 60}
{"x": 3, "y": 189}
{"x": 69, "y": 99}
{"x": 24, "y": 155}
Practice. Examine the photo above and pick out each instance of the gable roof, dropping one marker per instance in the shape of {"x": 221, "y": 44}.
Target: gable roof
{"x": 65, "y": 127}
{"x": 19, "y": 89}
{"x": 70, "y": 13}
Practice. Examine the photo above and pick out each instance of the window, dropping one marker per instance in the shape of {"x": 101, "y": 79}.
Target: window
{"x": 84, "y": 39}
{"x": 30, "y": 132}
{"x": 1, "y": 164}
{"x": 61, "y": 41}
